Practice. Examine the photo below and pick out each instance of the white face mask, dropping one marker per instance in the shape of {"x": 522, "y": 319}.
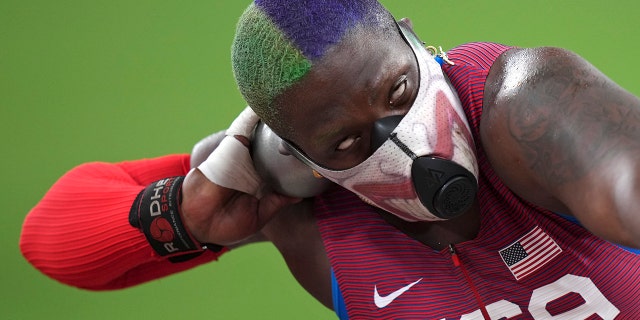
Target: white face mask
{"x": 425, "y": 168}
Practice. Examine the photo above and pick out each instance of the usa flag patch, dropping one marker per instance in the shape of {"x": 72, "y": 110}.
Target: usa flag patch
{"x": 529, "y": 253}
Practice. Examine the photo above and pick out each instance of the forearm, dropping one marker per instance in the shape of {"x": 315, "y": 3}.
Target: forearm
{"x": 79, "y": 233}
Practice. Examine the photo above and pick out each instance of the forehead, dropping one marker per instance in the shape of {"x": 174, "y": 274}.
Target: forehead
{"x": 350, "y": 71}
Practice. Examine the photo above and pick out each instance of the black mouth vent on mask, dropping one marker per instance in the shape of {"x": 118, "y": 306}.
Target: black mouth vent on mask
{"x": 446, "y": 188}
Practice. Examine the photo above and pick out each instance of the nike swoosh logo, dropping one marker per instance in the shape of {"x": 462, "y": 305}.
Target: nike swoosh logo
{"x": 382, "y": 302}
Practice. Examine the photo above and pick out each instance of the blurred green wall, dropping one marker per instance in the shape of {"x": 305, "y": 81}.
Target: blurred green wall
{"x": 104, "y": 80}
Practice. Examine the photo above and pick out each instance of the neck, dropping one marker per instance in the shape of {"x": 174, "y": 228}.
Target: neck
{"x": 439, "y": 234}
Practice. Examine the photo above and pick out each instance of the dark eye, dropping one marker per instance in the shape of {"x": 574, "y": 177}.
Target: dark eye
{"x": 397, "y": 94}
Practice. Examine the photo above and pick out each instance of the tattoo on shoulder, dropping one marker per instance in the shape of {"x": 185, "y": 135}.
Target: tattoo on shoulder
{"x": 573, "y": 120}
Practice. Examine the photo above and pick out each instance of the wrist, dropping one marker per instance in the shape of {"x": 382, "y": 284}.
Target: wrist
{"x": 196, "y": 209}
{"x": 156, "y": 212}
{"x": 195, "y": 227}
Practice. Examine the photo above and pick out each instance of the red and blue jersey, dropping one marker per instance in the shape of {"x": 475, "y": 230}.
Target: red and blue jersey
{"x": 525, "y": 263}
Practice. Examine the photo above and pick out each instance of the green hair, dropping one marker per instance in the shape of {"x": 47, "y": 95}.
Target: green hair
{"x": 265, "y": 62}
{"x": 277, "y": 42}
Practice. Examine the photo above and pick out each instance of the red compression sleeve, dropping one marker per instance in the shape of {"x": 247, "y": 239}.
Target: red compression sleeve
{"x": 79, "y": 233}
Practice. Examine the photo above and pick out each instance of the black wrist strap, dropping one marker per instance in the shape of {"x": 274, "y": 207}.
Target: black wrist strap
{"x": 156, "y": 212}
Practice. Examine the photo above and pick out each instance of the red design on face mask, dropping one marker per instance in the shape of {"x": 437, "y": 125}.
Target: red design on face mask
{"x": 447, "y": 121}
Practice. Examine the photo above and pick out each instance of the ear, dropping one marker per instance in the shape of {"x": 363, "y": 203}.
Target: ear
{"x": 407, "y": 22}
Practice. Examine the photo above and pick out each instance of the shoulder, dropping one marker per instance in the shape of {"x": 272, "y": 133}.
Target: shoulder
{"x": 519, "y": 69}
{"x": 564, "y": 136}
{"x": 538, "y": 120}
{"x": 528, "y": 83}
{"x": 523, "y": 97}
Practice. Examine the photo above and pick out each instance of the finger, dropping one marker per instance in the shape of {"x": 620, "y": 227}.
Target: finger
{"x": 245, "y": 141}
{"x": 244, "y": 124}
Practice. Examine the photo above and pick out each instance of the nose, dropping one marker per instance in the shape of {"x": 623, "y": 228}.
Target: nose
{"x": 382, "y": 129}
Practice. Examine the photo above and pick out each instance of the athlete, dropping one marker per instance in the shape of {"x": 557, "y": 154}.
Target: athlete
{"x": 487, "y": 182}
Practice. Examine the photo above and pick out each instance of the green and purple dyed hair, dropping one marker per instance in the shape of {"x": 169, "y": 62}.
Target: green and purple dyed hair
{"x": 278, "y": 41}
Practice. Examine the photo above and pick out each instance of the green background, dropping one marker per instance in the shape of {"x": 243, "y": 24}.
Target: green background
{"x": 114, "y": 80}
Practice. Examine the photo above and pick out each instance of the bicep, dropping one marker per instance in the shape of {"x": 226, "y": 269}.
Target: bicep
{"x": 564, "y": 136}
